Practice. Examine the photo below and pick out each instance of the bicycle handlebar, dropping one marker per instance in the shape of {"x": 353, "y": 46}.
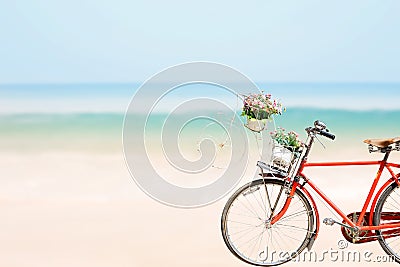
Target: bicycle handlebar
{"x": 320, "y": 128}
{"x": 328, "y": 135}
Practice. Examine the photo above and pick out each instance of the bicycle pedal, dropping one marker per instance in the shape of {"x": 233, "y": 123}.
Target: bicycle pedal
{"x": 329, "y": 221}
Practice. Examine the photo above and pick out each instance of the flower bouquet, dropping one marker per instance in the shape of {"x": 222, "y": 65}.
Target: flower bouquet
{"x": 258, "y": 108}
{"x": 286, "y": 147}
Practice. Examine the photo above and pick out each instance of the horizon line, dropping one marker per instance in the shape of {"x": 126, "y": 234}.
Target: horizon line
{"x": 142, "y": 82}
{"x": 115, "y": 112}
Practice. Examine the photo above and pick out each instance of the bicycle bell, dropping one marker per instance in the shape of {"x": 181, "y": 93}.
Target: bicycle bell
{"x": 319, "y": 125}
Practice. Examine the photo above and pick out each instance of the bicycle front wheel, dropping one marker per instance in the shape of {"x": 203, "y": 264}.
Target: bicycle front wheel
{"x": 249, "y": 235}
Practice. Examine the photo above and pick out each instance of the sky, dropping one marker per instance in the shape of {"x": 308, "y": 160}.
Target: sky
{"x": 121, "y": 41}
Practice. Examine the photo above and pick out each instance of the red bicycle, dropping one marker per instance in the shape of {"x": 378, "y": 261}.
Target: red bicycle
{"x": 278, "y": 214}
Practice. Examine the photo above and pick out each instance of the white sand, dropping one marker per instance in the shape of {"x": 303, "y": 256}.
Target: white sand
{"x": 83, "y": 209}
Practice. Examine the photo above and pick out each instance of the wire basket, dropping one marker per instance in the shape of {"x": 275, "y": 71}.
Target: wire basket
{"x": 283, "y": 158}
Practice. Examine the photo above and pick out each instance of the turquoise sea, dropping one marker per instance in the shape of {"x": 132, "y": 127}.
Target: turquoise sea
{"x": 90, "y": 116}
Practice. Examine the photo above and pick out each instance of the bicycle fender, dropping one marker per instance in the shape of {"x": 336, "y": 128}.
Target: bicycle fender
{"x": 378, "y": 194}
{"x": 316, "y": 215}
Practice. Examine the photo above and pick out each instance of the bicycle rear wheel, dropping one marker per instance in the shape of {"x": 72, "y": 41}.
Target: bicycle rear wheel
{"x": 388, "y": 211}
{"x": 245, "y": 223}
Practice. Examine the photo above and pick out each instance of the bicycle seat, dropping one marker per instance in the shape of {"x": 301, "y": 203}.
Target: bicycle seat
{"x": 382, "y": 143}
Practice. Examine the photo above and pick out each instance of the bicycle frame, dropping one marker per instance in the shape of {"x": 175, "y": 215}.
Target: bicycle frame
{"x": 383, "y": 164}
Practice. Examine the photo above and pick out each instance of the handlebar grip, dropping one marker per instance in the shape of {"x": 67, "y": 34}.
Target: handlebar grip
{"x": 328, "y": 135}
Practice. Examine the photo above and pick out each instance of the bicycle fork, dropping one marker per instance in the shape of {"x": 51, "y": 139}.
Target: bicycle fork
{"x": 290, "y": 189}
{"x": 290, "y": 194}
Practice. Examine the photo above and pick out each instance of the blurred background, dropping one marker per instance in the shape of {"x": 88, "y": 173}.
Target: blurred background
{"x": 68, "y": 70}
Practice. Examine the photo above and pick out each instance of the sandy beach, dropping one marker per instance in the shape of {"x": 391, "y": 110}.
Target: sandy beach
{"x": 82, "y": 208}
{"x": 67, "y": 197}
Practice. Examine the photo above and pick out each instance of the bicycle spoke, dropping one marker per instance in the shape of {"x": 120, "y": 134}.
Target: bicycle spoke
{"x": 291, "y": 237}
{"x": 396, "y": 205}
{"x": 249, "y": 240}
{"x": 244, "y": 234}
{"x": 294, "y": 215}
{"x": 294, "y": 227}
{"x": 249, "y": 209}
{"x": 259, "y": 204}
{"x": 243, "y": 223}
{"x": 262, "y": 236}
{"x": 283, "y": 239}
{"x": 244, "y": 215}
{"x": 255, "y": 243}
{"x": 395, "y": 191}
{"x": 393, "y": 241}
{"x": 243, "y": 230}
